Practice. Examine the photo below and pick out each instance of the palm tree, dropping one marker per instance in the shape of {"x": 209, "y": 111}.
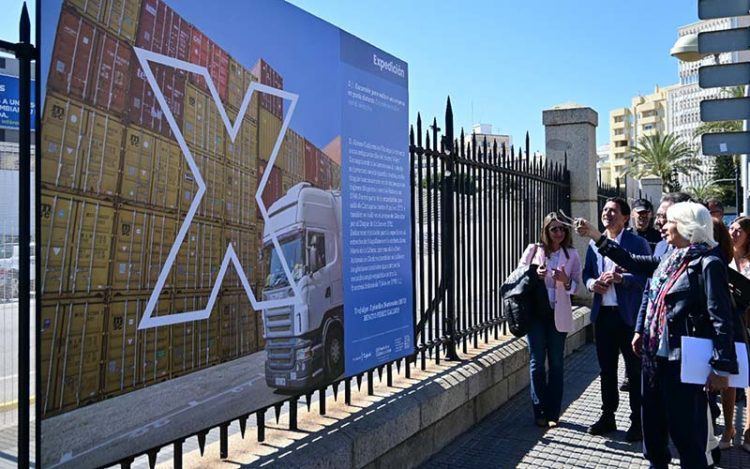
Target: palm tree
{"x": 704, "y": 190}
{"x": 664, "y": 156}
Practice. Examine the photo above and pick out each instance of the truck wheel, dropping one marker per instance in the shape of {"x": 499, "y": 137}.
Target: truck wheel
{"x": 334, "y": 354}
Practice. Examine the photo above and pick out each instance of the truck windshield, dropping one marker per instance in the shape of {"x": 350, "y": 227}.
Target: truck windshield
{"x": 294, "y": 254}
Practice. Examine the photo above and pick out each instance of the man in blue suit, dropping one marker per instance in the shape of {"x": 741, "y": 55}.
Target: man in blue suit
{"x": 617, "y": 297}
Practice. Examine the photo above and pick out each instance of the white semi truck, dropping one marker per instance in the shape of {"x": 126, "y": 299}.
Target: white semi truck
{"x": 304, "y": 342}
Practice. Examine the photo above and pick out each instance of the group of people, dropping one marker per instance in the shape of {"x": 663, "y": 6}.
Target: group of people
{"x": 651, "y": 286}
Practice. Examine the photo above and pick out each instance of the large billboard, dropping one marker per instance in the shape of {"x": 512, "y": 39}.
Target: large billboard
{"x": 10, "y": 104}
{"x": 217, "y": 183}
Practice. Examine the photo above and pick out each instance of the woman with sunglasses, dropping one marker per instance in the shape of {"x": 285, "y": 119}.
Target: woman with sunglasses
{"x": 560, "y": 268}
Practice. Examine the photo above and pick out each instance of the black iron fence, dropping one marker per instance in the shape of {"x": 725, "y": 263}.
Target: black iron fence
{"x": 475, "y": 207}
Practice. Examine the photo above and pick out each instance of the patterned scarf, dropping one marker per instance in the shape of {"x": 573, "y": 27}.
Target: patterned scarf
{"x": 664, "y": 278}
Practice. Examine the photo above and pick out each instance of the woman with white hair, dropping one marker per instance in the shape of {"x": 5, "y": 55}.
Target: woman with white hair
{"x": 688, "y": 295}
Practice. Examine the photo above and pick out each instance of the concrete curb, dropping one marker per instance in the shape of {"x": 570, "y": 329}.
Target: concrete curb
{"x": 406, "y": 430}
{"x": 10, "y": 405}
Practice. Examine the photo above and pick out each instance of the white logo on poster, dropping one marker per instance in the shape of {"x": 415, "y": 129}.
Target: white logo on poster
{"x": 148, "y": 320}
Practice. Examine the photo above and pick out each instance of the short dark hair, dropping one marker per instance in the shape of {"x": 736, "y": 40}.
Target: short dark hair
{"x": 676, "y": 197}
{"x": 715, "y": 202}
{"x": 622, "y": 203}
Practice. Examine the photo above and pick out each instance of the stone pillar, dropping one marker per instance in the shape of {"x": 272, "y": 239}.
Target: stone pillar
{"x": 571, "y": 129}
{"x": 651, "y": 189}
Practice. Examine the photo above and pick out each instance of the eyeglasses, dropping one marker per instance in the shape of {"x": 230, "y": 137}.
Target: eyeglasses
{"x": 555, "y": 229}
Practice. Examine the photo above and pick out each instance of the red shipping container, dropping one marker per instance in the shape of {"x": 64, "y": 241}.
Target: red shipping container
{"x": 273, "y": 189}
{"x": 145, "y": 110}
{"x": 74, "y": 55}
{"x": 109, "y": 82}
{"x": 162, "y": 30}
{"x": 269, "y": 76}
{"x": 205, "y": 52}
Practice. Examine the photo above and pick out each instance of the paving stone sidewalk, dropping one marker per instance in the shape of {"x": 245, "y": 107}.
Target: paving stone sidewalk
{"x": 508, "y": 437}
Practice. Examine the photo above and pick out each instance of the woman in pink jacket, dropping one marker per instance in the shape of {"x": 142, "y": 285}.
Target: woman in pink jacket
{"x": 560, "y": 267}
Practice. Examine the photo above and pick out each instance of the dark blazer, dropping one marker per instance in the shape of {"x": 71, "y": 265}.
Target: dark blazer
{"x": 629, "y": 292}
{"x": 698, "y": 304}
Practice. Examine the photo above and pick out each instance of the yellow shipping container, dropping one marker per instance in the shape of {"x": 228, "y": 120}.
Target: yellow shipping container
{"x": 239, "y": 81}
{"x": 240, "y": 186}
{"x": 91, "y": 247}
{"x": 92, "y": 9}
{"x": 199, "y": 257}
{"x": 202, "y": 125}
{"x": 64, "y": 122}
{"x": 245, "y": 244}
{"x": 168, "y": 161}
{"x": 204, "y": 335}
{"x": 80, "y": 355}
{"x": 57, "y": 220}
{"x": 154, "y": 351}
{"x": 269, "y": 127}
{"x": 122, "y": 18}
{"x": 239, "y": 332}
{"x": 293, "y": 154}
{"x": 121, "y": 359}
{"x": 77, "y": 139}
{"x": 212, "y": 172}
{"x": 137, "y": 167}
{"x": 131, "y": 250}
{"x": 49, "y": 335}
{"x": 162, "y": 233}
{"x": 243, "y": 151}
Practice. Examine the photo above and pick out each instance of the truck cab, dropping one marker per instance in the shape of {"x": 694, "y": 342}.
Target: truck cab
{"x": 304, "y": 341}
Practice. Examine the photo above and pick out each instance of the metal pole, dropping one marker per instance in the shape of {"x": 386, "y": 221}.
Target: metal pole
{"x": 25, "y": 52}
{"x": 447, "y": 234}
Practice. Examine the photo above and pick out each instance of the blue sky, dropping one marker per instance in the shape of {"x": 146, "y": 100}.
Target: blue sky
{"x": 504, "y": 61}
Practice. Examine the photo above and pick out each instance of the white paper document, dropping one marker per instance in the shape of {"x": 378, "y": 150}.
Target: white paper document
{"x": 697, "y": 352}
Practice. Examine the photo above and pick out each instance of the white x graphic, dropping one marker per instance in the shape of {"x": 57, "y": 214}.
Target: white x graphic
{"x": 148, "y": 320}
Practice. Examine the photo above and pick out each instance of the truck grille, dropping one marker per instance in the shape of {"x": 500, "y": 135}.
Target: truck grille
{"x": 279, "y": 354}
{"x": 279, "y": 322}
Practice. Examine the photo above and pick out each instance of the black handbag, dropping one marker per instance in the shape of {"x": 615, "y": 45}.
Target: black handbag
{"x": 524, "y": 299}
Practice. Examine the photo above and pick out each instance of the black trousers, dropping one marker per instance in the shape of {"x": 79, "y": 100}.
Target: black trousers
{"x": 672, "y": 408}
{"x": 613, "y": 337}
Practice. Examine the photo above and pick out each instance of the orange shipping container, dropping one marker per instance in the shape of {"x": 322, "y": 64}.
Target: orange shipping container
{"x": 109, "y": 80}
{"x": 164, "y": 31}
{"x": 203, "y": 51}
{"x": 145, "y": 110}
{"x": 91, "y": 247}
{"x": 74, "y": 55}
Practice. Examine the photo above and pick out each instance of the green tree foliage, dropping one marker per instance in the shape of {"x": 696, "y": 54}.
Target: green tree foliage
{"x": 664, "y": 156}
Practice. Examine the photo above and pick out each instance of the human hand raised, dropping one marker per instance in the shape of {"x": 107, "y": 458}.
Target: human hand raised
{"x": 560, "y": 275}
{"x": 600, "y": 286}
{"x": 586, "y": 229}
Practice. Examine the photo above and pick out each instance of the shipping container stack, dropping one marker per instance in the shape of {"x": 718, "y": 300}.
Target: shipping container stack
{"x": 116, "y": 189}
